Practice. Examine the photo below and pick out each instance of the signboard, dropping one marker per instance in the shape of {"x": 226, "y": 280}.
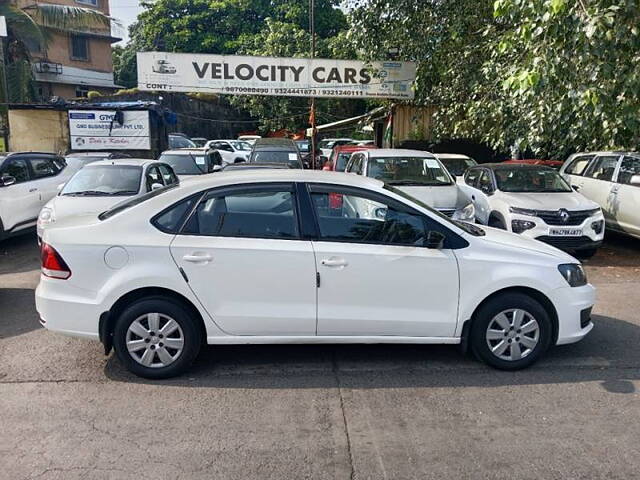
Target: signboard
{"x": 3, "y": 26}
{"x": 289, "y": 77}
{"x": 99, "y": 130}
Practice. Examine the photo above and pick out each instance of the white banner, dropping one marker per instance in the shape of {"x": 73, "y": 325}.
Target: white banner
{"x": 97, "y": 130}
{"x": 3, "y": 26}
{"x": 293, "y": 77}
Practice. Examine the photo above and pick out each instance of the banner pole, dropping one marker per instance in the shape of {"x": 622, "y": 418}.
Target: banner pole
{"x": 312, "y": 113}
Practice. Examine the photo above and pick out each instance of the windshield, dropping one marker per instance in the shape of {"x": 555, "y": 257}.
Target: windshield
{"x": 457, "y": 166}
{"x": 186, "y": 163}
{"x": 530, "y": 180}
{"x": 408, "y": 171}
{"x": 178, "y": 141}
{"x": 238, "y": 145}
{"x": 303, "y": 145}
{"x": 104, "y": 180}
{"x": 289, "y": 158}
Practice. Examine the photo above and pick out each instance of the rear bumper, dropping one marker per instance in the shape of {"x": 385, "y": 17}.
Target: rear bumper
{"x": 66, "y": 313}
{"x": 571, "y": 304}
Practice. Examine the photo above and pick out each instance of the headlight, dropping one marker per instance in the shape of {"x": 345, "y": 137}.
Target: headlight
{"x": 466, "y": 214}
{"x": 573, "y": 273}
{"x": 523, "y": 211}
{"x": 46, "y": 216}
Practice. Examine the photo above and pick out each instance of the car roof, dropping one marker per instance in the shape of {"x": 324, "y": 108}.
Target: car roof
{"x": 511, "y": 166}
{"x": 255, "y": 165}
{"x": 123, "y": 162}
{"x": 90, "y": 154}
{"x": 272, "y": 142}
{"x": 186, "y": 151}
{"x": 353, "y": 148}
{"x": 11, "y": 154}
{"x": 447, "y": 156}
{"x": 397, "y": 152}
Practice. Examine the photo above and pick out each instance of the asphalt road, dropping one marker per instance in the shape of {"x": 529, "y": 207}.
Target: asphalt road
{"x": 341, "y": 412}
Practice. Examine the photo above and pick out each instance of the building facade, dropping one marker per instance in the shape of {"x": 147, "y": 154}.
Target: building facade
{"x": 75, "y": 62}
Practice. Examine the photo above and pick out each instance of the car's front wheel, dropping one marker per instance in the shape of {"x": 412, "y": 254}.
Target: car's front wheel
{"x": 156, "y": 338}
{"x": 510, "y": 331}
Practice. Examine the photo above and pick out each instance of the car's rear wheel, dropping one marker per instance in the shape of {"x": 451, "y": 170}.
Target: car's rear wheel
{"x": 156, "y": 338}
{"x": 510, "y": 331}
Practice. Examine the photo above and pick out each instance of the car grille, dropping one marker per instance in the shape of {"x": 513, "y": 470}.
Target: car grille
{"x": 447, "y": 211}
{"x": 566, "y": 243}
{"x": 553, "y": 217}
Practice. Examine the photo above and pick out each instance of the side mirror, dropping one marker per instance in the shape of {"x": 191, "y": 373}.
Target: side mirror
{"x": 216, "y": 168}
{"x": 434, "y": 240}
{"x": 635, "y": 180}
{"x": 7, "y": 180}
{"x": 156, "y": 186}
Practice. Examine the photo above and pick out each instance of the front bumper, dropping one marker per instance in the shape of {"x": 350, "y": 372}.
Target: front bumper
{"x": 586, "y": 239}
{"x": 572, "y": 305}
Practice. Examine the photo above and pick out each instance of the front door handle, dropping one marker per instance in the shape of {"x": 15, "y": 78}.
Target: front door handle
{"x": 334, "y": 262}
{"x": 31, "y": 190}
{"x": 197, "y": 258}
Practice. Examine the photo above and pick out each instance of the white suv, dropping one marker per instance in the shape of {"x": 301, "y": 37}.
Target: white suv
{"x": 27, "y": 181}
{"x": 612, "y": 180}
{"x": 232, "y": 151}
{"x": 535, "y": 201}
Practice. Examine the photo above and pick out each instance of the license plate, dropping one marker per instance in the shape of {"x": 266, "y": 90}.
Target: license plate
{"x": 569, "y": 232}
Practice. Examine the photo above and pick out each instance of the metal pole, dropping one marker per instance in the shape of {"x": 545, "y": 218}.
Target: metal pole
{"x": 312, "y": 115}
{"x": 5, "y": 94}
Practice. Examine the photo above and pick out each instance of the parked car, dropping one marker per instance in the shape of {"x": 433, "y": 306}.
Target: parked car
{"x": 254, "y": 166}
{"x": 327, "y": 144}
{"x": 276, "y": 150}
{"x": 77, "y": 160}
{"x": 186, "y": 162}
{"x": 341, "y": 154}
{"x": 199, "y": 141}
{"x": 102, "y": 184}
{"x": 612, "y": 180}
{"x": 418, "y": 174}
{"x": 555, "y": 164}
{"x": 159, "y": 275}
{"x": 28, "y": 180}
{"x": 535, "y": 202}
{"x": 250, "y": 139}
{"x": 232, "y": 151}
{"x": 180, "y": 140}
{"x": 455, "y": 163}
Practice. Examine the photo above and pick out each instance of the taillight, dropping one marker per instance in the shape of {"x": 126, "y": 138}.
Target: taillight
{"x": 52, "y": 263}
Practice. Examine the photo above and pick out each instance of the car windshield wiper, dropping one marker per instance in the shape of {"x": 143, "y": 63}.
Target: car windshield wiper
{"x": 86, "y": 193}
{"x": 415, "y": 183}
{"x": 123, "y": 192}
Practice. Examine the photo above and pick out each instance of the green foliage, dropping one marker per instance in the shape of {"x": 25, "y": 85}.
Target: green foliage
{"x": 555, "y": 76}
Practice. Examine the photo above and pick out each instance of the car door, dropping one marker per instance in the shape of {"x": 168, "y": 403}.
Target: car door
{"x": 226, "y": 152}
{"x": 246, "y": 262}
{"x": 375, "y": 277}
{"x": 474, "y": 179}
{"x": 574, "y": 169}
{"x": 20, "y": 202}
{"x": 597, "y": 183}
{"x": 625, "y": 203}
{"x": 45, "y": 178}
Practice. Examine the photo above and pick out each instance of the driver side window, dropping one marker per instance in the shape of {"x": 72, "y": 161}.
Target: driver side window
{"x": 16, "y": 168}
{"x": 346, "y": 216}
{"x": 485, "y": 183}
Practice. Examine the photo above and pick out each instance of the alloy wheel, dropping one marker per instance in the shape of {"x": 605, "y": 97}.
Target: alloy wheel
{"x": 512, "y": 334}
{"x": 155, "y": 340}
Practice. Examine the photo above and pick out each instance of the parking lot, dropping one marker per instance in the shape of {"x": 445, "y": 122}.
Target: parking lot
{"x": 362, "y": 412}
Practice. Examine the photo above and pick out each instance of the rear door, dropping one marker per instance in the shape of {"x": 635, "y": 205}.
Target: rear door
{"x": 471, "y": 187}
{"x": 625, "y": 207}
{"x": 19, "y": 203}
{"x": 575, "y": 168}
{"x": 375, "y": 277}
{"x": 246, "y": 262}
{"x": 46, "y": 177}
{"x": 598, "y": 185}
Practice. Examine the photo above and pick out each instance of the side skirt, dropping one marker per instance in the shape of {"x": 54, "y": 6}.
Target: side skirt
{"x": 248, "y": 340}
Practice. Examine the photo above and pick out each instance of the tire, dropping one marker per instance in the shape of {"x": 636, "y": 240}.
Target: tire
{"x": 508, "y": 307}
{"x": 586, "y": 253}
{"x": 151, "y": 350}
{"x": 496, "y": 222}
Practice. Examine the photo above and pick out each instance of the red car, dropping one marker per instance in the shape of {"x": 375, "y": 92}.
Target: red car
{"x": 534, "y": 161}
{"x": 341, "y": 154}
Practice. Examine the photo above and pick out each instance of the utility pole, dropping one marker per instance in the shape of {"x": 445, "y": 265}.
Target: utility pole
{"x": 312, "y": 113}
{"x": 5, "y": 87}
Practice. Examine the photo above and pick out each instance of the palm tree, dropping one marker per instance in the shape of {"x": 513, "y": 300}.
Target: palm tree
{"x": 32, "y": 25}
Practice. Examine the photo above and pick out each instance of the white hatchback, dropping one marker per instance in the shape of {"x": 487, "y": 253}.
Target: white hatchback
{"x": 536, "y": 202}
{"x": 276, "y": 256}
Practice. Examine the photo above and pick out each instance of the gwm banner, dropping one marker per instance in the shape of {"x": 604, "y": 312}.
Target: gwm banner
{"x": 100, "y": 130}
{"x": 297, "y": 77}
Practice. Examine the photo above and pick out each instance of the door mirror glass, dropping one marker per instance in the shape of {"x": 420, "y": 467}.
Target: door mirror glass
{"x": 156, "y": 186}
{"x": 7, "y": 180}
{"x": 216, "y": 168}
{"x": 434, "y": 240}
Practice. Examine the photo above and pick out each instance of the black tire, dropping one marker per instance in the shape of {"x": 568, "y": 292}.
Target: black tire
{"x": 484, "y": 317}
{"x": 496, "y": 222}
{"x": 586, "y": 253}
{"x": 191, "y": 334}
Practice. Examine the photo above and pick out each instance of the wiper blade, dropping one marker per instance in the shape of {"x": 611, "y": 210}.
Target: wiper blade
{"x": 86, "y": 193}
{"x": 123, "y": 192}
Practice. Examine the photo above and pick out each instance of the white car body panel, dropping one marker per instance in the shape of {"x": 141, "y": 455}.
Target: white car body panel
{"x": 424, "y": 303}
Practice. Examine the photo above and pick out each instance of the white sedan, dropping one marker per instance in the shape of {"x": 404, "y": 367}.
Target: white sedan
{"x": 101, "y": 184}
{"x": 274, "y": 256}
{"x": 535, "y": 201}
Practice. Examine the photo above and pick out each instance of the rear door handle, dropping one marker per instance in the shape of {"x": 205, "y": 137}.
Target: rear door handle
{"x": 31, "y": 190}
{"x": 197, "y": 258}
{"x": 334, "y": 262}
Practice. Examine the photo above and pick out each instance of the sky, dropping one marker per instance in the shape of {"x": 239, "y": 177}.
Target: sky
{"x": 126, "y": 12}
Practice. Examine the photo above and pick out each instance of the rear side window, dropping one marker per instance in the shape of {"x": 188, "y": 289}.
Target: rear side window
{"x": 259, "y": 212}
{"x": 630, "y": 166}
{"x": 603, "y": 168}
{"x": 578, "y": 165}
{"x": 43, "y": 167}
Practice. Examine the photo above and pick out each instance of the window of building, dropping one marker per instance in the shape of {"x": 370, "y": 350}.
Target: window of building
{"x": 93, "y": 3}
{"x": 79, "y": 47}
{"x": 82, "y": 92}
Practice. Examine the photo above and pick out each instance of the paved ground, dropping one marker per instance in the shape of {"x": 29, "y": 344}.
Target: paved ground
{"x": 293, "y": 412}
